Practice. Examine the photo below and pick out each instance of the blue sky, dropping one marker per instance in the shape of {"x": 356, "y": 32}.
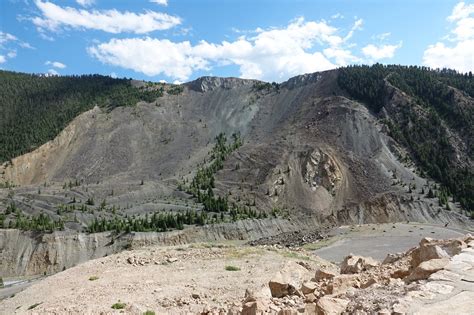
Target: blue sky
{"x": 180, "y": 40}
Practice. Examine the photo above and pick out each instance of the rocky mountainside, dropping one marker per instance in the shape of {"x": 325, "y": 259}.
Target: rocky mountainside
{"x": 323, "y": 149}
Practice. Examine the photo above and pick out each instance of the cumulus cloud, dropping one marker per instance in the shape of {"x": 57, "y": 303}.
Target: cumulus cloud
{"x": 2, "y": 59}
{"x": 55, "y": 64}
{"x": 272, "y": 54}
{"x": 160, "y": 2}
{"x": 85, "y": 3}
{"x": 55, "y": 18}
{"x": 457, "y": 50}
{"x": 374, "y": 53}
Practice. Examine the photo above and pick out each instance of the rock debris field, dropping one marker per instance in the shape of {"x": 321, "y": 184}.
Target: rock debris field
{"x": 435, "y": 277}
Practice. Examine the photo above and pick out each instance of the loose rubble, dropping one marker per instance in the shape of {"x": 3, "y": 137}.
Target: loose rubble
{"x": 290, "y": 239}
{"x": 363, "y": 285}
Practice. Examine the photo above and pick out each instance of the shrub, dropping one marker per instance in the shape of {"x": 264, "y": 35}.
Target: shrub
{"x": 119, "y": 306}
{"x": 232, "y": 268}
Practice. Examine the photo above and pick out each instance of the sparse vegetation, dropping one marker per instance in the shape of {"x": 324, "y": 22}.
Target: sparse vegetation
{"x": 93, "y": 278}
{"x": 232, "y": 268}
{"x": 119, "y": 306}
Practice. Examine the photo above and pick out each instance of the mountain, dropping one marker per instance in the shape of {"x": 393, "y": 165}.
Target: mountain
{"x": 233, "y": 157}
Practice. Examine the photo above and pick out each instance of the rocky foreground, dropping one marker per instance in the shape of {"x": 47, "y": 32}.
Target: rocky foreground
{"x": 436, "y": 277}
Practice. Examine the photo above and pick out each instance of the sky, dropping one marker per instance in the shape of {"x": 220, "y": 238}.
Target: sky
{"x": 271, "y": 40}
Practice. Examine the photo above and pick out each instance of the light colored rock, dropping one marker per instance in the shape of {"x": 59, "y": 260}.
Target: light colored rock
{"x": 308, "y": 287}
{"x": 368, "y": 283}
{"x": 310, "y": 309}
{"x": 453, "y": 247}
{"x": 391, "y": 258}
{"x": 426, "y": 268}
{"x": 288, "y": 280}
{"x": 341, "y": 283}
{"x": 322, "y": 274}
{"x": 356, "y": 264}
{"x": 253, "y": 308}
{"x": 331, "y": 306}
{"x": 459, "y": 304}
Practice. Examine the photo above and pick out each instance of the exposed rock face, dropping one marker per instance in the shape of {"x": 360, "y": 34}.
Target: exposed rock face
{"x": 321, "y": 170}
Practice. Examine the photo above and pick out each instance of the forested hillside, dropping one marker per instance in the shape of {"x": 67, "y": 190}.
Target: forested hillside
{"x": 426, "y": 136}
{"x": 35, "y": 108}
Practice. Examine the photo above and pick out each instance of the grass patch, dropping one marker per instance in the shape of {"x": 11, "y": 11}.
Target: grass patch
{"x": 232, "y": 268}
{"x": 295, "y": 255}
{"x": 149, "y": 313}
{"x": 119, "y": 306}
{"x": 93, "y": 278}
{"x": 323, "y": 243}
{"x": 33, "y": 306}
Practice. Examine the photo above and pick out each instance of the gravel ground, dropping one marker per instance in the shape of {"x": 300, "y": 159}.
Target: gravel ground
{"x": 165, "y": 280}
{"x": 377, "y": 240}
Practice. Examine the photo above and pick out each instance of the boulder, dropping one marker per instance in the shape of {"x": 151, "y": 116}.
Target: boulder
{"x": 356, "y": 264}
{"x": 322, "y": 274}
{"x": 425, "y": 252}
{"x": 253, "y": 308}
{"x": 341, "y": 283}
{"x": 426, "y": 268}
{"x": 391, "y": 258}
{"x": 310, "y": 298}
{"x": 310, "y": 309}
{"x": 453, "y": 247}
{"x": 308, "y": 287}
{"x": 288, "y": 280}
{"x": 331, "y": 306}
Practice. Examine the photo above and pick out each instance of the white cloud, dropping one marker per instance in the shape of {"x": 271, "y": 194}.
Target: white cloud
{"x": 273, "y": 54}
{"x": 55, "y": 64}
{"x": 6, "y": 37}
{"x": 375, "y": 53}
{"x": 85, "y": 3}
{"x": 337, "y": 16}
{"x": 11, "y": 54}
{"x": 457, "y": 51}
{"x": 160, "y": 2}
{"x": 382, "y": 36}
{"x": 56, "y": 18}
{"x": 26, "y": 45}
{"x": 2, "y": 59}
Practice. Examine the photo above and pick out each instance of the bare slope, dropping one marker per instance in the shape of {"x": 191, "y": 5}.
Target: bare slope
{"x": 311, "y": 156}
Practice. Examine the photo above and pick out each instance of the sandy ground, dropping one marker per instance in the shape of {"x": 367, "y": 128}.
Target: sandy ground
{"x": 165, "y": 280}
{"x": 377, "y": 240}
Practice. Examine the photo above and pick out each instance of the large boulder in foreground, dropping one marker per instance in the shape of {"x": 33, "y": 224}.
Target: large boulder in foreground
{"x": 331, "y": 306}
{"x": 356, "y": 264}
{"x": 288, "y": 280}
{"x": 426, "y": 268}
